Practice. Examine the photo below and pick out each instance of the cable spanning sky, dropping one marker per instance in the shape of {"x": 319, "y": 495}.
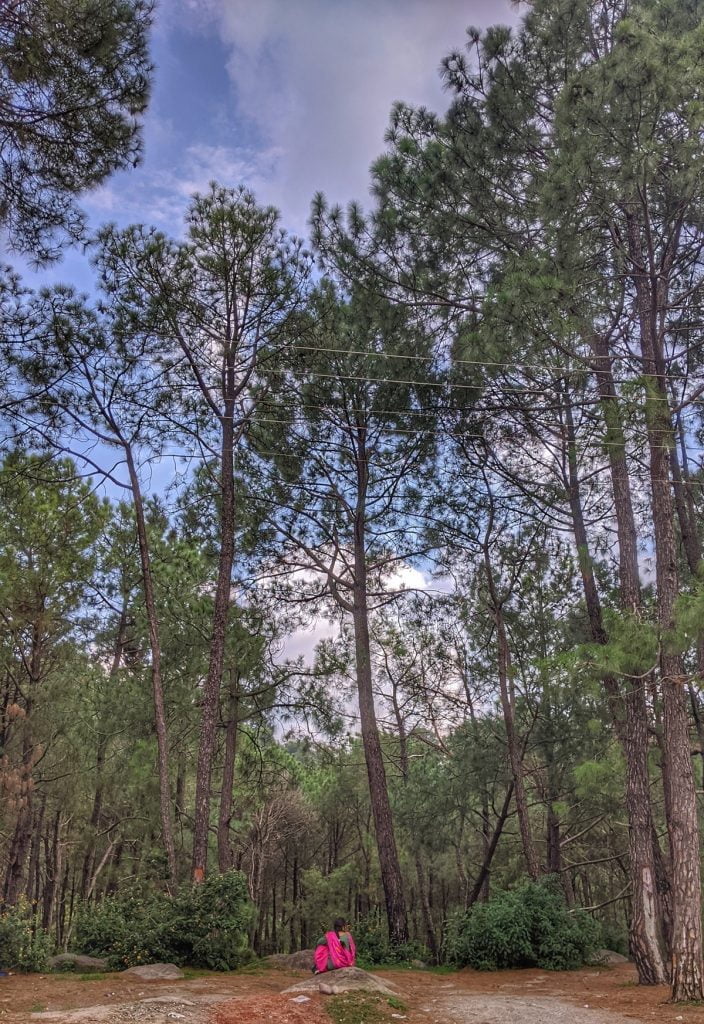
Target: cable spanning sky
{"x": 286, "y": 96}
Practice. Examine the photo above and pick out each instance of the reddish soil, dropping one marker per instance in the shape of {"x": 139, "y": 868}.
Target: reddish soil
{"x": 256, "y": 997}
{"x": 26, "y": 992}
{"x": 613, "y": 989}
{"x": 260, "y": 1009}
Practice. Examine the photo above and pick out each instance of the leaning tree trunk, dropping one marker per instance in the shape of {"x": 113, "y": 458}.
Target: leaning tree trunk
{"x": 506, "y": 694}
{"x": 482, "y": 879}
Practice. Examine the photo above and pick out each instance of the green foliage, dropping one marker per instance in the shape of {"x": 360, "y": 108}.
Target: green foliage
{"x": 23, "y": 945}
{"x": 203, "y": 926}
{"x": 326, "y": 893}
{"x": 374, "y": 947}
{"x": 74, "y": 78}
{"x": 526, "y": 927}
{"x": 614, "y": 935}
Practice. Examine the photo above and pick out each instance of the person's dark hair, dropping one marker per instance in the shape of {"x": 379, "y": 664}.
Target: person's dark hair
{"x": 338, "y": 924}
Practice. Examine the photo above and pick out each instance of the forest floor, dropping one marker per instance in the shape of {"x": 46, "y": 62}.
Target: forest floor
{"x": 587, "y": 996}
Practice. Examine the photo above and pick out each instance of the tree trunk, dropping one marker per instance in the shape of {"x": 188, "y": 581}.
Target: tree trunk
{"x": 162, "y": 740}
{"x": 89, "y": 859}
{"x": 683, "y": 829}
{"x": 376, "y": 772}
{"x": 22, "y": 834}
{"x": 225, "y": 860}
{"x": 389, "y": 864}
{"x": 515, "y": 752}
{"x": 221, "y": 610}
{"x": 633, "y": 732}
{"x": 483, "y": 876}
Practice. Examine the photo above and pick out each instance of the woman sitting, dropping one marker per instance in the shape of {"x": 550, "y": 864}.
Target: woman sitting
{"x": 335, "y": 949}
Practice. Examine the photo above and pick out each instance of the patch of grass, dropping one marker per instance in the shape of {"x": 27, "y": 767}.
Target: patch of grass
{"x": 37, "y": 1008}
{"x": 396, "y": 1004}
{"x": 91, "y": 976}
{"x": 363, "y": 1008}
{"x": 355, "y": 1008}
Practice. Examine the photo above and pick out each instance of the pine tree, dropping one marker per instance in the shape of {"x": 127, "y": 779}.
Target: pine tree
{"x": 74, "y": 81}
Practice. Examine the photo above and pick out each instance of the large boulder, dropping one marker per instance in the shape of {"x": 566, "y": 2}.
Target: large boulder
{"x": 607, "y": 958}
{"x": 77, "y": 962}
{"x": 347, "y": 979}
{"x": 155, "y": 972}
{"x": 300, "y": 961}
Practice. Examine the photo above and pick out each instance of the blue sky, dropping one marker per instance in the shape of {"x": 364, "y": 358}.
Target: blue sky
{"x": 286, "y": 96}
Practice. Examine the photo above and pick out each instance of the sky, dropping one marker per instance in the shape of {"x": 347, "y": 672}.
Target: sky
{"x": 286, "y": 96}
{"x": 289, "y": 97}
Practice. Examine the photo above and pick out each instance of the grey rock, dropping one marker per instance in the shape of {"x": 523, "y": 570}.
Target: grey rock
{"x": 155, "y": 972}
{"x": 77, "y": 962}
{"x": 607, "y": 958}
{"x": 300, "y": 961}
{"x": 348, "y": 979}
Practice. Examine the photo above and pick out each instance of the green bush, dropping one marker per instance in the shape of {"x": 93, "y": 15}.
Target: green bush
{"x": 374, "y": 948}
{"x": 526, "y": 927}
{"x": 202, "y": 926}
{"x": 23, "y": 944}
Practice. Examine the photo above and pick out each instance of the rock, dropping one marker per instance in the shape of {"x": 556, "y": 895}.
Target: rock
{"x": 300, "y": 961}
{"x": 155, "y": 972}
{"x": 348, "y": 979}
{"x": 607, "y": 958}
{"x": 77, "y": 962}
{"x": 418, "y": 965}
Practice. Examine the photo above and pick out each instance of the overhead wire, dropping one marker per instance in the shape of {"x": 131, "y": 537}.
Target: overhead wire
{"x": 453, "y": 361}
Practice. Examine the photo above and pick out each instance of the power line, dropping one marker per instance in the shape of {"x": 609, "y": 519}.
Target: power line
{"x": 414, "y": 357}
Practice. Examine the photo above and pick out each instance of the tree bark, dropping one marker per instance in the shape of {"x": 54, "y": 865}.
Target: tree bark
{"x": 376, "y": 773}
{"x": 628, "y": 710}
{"x": 683, "y": 828}
{"x": 89, "y": 859}
{"x": 506, "y": 693}
{"x": 225, "y": 860}
{"x": 160, "y": 726}
{"x": 482, "y": 877}
{"x": 221, "y": 611}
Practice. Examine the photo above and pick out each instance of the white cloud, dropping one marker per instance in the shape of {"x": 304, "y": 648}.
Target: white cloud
{"x": 160, "y": 195}
{"x": 313, "y": 84}
{"x": 317, "y": 79}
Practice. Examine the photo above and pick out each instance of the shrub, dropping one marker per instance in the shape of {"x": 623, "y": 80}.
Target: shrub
{"x": 202, "y": 926}
{"x": 215, "y": 916}
{"x": 23, "y": 944}
{"x": 374, "y": 948}
{"x": 527, "y": 927}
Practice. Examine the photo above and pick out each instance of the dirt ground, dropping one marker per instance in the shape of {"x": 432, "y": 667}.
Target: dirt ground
{"x": 588, "y": 996}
